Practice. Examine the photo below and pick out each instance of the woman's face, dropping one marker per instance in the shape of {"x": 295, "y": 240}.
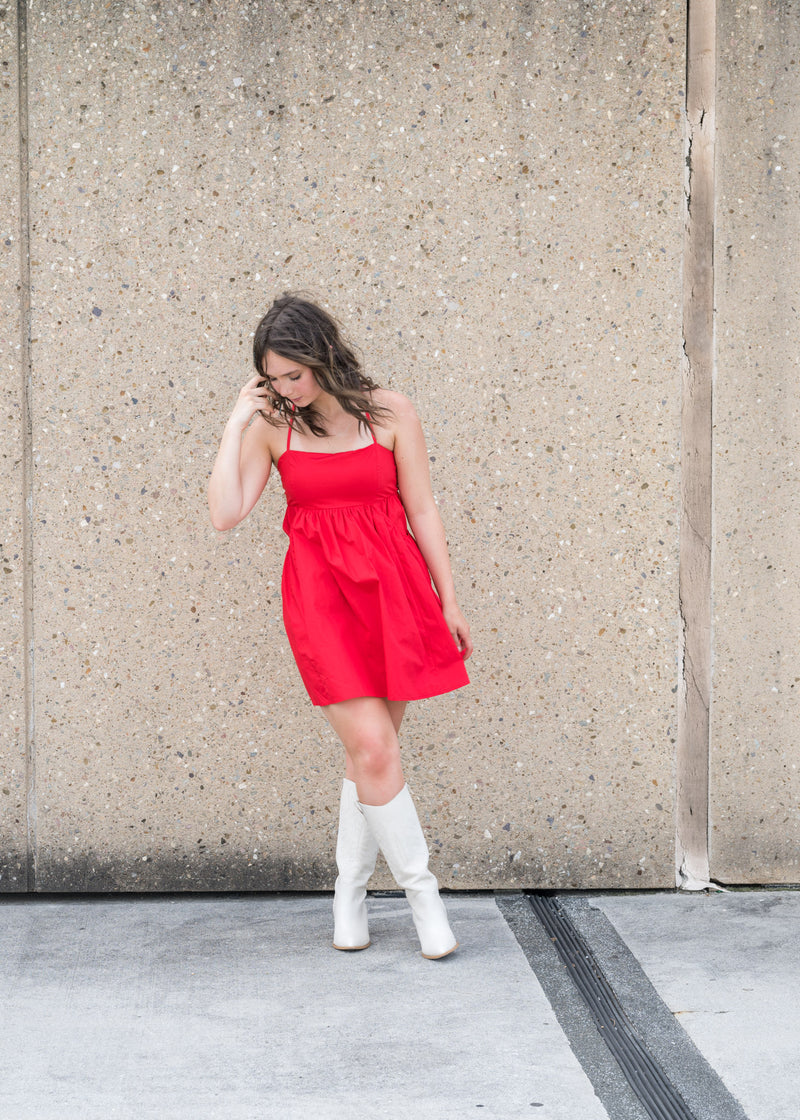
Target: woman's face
{"x": 291, "y": 380}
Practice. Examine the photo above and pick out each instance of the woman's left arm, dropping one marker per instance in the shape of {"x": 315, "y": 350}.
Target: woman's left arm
{"x": 416, "y": 494}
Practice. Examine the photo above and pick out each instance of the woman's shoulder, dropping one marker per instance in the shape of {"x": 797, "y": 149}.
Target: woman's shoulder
{"x": 271, "y": 437}
{"x": 397, "y": 404}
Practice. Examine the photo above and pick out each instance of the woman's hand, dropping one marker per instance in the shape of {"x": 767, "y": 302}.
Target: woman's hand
{"x": 459, "y": 628}
{"x": 252, "y": 398}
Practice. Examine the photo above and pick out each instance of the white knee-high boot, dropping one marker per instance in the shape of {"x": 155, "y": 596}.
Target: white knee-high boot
{"x": 399, "y": 834}
{"x": 356, "y": 852}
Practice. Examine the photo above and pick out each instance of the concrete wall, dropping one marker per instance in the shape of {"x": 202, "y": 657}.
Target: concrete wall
{"x": 755, "y": 786}
{"x": 490, "y": 197}
{"x": 13, "y": 362}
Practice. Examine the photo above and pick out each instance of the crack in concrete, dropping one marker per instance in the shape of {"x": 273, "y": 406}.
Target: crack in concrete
{"x": 694, "y": 592}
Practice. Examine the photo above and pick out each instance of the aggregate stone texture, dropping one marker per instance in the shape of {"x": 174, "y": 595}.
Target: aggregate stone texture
{"x": 755, "y": 755}
{"x": 490, "y": 198}
{"x": 13, "y": 751}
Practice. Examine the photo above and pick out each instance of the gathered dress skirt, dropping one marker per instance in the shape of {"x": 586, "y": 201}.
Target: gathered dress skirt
{"x": 360, "y": 611}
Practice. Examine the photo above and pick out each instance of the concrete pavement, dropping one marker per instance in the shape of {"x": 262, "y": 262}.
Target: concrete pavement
{"x": 233, "y": 1006}
{"x": 728, "y": 968}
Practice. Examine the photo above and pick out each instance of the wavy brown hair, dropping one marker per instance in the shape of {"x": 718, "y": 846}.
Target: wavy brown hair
{"x": 298, "y": 329}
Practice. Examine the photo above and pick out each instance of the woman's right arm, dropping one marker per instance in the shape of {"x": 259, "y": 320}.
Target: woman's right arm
{"x": 244, "y": 459}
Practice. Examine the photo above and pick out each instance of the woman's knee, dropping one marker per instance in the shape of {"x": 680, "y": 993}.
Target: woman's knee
{"x": 373, "y": 752}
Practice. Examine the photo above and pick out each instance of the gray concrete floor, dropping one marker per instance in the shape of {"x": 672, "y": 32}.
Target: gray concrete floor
{"x": 728, "y": 967}
{"x": 240, "y": 1008}
{"x": 237, "y": 1007}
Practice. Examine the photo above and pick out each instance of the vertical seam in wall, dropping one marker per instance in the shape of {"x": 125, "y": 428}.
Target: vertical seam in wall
{"x": 27, "y": 441}
{"x": 694, "y": 582}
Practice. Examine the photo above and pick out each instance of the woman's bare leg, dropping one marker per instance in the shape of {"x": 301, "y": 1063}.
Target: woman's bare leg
{"x": 367, "y": 727}
{"x": 397, "y": 709}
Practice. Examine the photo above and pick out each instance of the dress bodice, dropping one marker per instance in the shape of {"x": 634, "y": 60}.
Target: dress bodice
{"x": 335, "y": 480}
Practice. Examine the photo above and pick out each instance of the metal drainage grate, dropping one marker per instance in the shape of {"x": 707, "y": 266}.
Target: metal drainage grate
{"x": 659, "y": 1097}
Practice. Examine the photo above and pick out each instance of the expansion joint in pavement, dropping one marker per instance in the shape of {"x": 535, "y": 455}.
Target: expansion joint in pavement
{"x": 609, "y": 1010}
{"x": 659, "y": 1097}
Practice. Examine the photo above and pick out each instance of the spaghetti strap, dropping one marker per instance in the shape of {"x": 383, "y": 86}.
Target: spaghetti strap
{"x": 289, "y": 433}
{"x": 371, "y": 429}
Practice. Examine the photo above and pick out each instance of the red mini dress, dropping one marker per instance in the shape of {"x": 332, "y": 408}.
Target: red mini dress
{"x": 360, "y": 612}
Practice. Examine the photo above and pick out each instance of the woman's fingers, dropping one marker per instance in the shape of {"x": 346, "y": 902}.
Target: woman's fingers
{"x": 257, "y": 390}
{"x": 252, "y": 398}
{"x": 459, "y": 629}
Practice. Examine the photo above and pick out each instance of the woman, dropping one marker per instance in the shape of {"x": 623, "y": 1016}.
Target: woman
{"x": 366, "y": 628}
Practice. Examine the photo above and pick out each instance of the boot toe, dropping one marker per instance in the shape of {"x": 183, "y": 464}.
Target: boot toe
{"x": 430, "y": 918}
{"x": 438, "y": 956}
